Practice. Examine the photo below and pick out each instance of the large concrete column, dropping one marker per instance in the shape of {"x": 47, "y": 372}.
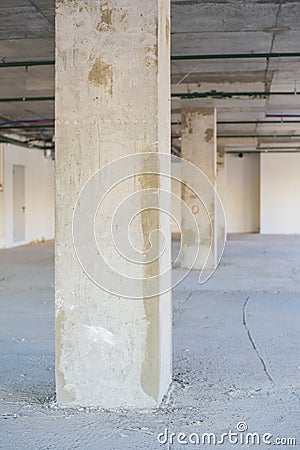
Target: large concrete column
{"x": 198, "y": 146}
{"x": 112, "y": 100}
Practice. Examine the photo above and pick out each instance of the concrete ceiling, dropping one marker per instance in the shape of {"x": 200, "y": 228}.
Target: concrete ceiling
{"x": 199, "y": 27}
{"x": 27, "y": 34}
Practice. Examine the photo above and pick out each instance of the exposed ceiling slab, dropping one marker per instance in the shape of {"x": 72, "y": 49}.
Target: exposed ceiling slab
{"x": 199, "y": 27}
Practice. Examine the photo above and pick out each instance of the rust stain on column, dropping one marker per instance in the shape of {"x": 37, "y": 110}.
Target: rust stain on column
{"x": 111, "y": 18}
{"x": 106, "y": 16}
{"x": 150, "y": 221}
{"x": 101, "y": 75}
{"x": 167, "y": 30}
{"x": 209, "y": 134}
{"x": 187, "y": 123}
{"x": 60, "y": 319}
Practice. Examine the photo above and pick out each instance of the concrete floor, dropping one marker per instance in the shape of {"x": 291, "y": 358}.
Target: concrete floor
{"x": 236, "y": 355}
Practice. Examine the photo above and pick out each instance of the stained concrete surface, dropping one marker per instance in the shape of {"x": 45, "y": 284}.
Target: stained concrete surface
{"x": 236, "y": 354}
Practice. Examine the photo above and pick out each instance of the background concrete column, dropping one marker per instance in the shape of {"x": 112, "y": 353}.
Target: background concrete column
{"x": 221, "y": 189}
{"x": 198, "y": 146}
{"x": 2, "y": 215}
{"x": 112, "y": 100}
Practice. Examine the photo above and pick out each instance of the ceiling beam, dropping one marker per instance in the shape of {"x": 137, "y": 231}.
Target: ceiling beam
{"x": 28, "y": 144}
{"x": 51, "y": 62}
{"x": 263, "y": 136}
{"x": 248, "y": 122}
{"x": 265, "y": 150}
{"x": 236, "y": 56}
{"x": 25, "y": 127}
{"x": 222, "y": 94}
{"x": 26, "y": 99}
{"x": 26, "y": 63}
{"x": 246, "y": 136}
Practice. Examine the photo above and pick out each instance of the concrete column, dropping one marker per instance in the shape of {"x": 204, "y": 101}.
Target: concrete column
{"x": 198, "y": 146}
{"x": 112, "y": 100}
{"x": 2, "y": 212}
{"x": 221, "y": 189}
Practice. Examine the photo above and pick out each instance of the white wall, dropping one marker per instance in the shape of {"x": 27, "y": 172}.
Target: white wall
{"x": 261, "y": 193}
{"x": 280, "y": 193}
{"x": 241, "y": 200}
{"x": 238, "y": 186}
{"x": 39, "y": 194}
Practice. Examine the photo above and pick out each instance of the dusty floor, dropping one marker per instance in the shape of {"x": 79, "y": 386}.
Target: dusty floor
{"x": 236, "y": 356}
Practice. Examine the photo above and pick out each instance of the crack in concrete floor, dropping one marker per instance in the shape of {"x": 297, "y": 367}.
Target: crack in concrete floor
{"x": 263, "y": 363}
